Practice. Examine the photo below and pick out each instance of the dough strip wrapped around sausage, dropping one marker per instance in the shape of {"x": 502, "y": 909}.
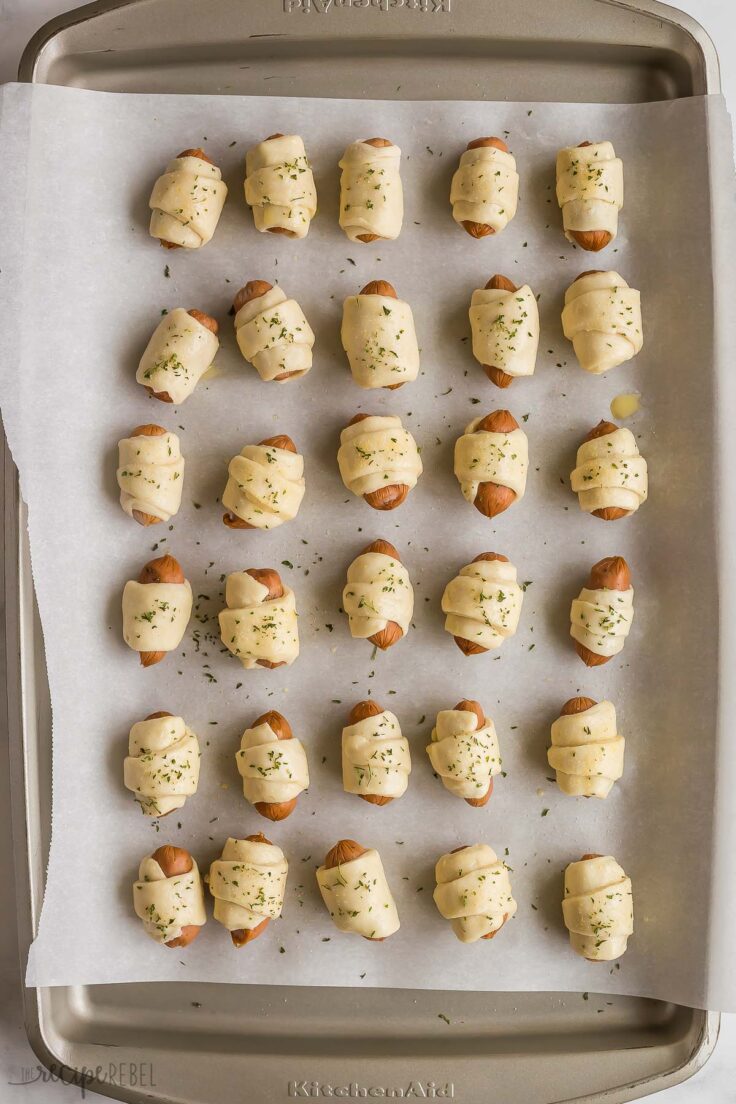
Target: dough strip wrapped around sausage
{"x": 483, "y": 604}
{"x": 601, "y": 615}
{"x": 590, "y": 191}
{"x": 379, "y": 337}
{"x": 273, "y": 766}
{"x": 504, "y": 322}
{"x": 491, "y": 462}
{"x": 259, "y": 625}
{"x": 474, "y": 892}
{"x": 150, "y": 474}
{"x": 602, "y": 318}
{"x": 156, "y": 609}
{"x": 378, "y": 460}
{"x": 168, "y": 896}
{"x": 587, "y": 753}
{"x": 485, "y": 188}
{"x": 376, "y": 761}
{"x": 272, "y": 332}
{"x": 265, "y": 485}
{"x": 371, "y": 195}
{"x": 181, "y": 349}
{"x": 187, "y": 201}
{"x": 610, "y": 476}
{"x": 378, "y": 596}
{"x": 279, "y": 186}
{"x": 464, "y": 752}
{"x": 355, "y": 890}
{"x": 598, "y": 908}
{"x": 247, "y": 883}
{"x": 162, "y": 765}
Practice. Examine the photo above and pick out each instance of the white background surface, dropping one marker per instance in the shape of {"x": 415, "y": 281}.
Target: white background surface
{"x": 717, "y": 1083}
{"x": 102, "y": 941}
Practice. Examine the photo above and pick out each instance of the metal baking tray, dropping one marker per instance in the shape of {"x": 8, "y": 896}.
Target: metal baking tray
{"x": 203, "y": 1044}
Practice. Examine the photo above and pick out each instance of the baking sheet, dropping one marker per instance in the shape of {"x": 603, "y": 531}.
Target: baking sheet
{"x": 83, "y": 286}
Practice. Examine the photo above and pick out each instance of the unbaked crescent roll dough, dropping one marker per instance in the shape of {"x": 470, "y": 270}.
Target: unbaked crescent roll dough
{"x": 375, "y": 756}
{"x": 155, "y": 615}
{"x": 598, "y": 908}
{"x": 483, "y": 603}
{"x": 600, "y": 619}
{"x": 273, "y": 770}
{"x": 587, "y": 753}
{"x": 505, "y": 329}
{"x": 485, "y": 188}
{"x": 358, "y": 897}
{"x": 380, "y": 340}
{"x": 590, "y": 188}
{"x": 186, "y": 202}
{"x": 274, "y": 336}
{"x": 378, "y": 590}
{"x": 178, "y": 354}
{"x": 464, "y": 753}
{"x": 610, "y": 472}
{"x": 474, "y": 892}
{"x": 487, "y": 457}
{"x": 150, "y": 474}
{"x": 255, "y": 627}
{"x": 162, "y": 765}
{"x": 167, "y": 905}
{"x": 378, "y": 452}
{"x": 247, "y": 883}
{"x": 371, "y": 196}
{"x": 265, "y": 486}
{"x": 602, "y": 318}
{"x": 279, "y": 185}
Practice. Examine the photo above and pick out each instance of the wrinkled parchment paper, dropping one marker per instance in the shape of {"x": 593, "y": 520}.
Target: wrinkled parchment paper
{"x": 82, "y": 288}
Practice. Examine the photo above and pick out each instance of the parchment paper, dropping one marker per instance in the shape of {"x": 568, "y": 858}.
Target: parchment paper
{"x": 82, "y": 288}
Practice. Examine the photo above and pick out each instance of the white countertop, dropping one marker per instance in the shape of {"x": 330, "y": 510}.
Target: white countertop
{"x": 715, "y": 1084}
